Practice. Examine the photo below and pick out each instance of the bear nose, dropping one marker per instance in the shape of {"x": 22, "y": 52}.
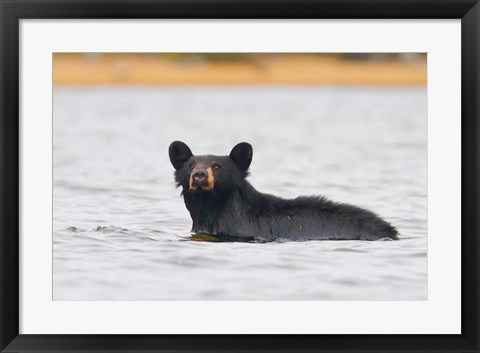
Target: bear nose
{"x": 200, "y": 175}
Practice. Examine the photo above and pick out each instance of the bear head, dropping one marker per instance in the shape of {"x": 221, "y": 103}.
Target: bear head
{"x": 209, "y": 173}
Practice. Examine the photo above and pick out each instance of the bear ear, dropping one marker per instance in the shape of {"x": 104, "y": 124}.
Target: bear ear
{"x": 179, "y": 154}
{"x": 242, "y": 155}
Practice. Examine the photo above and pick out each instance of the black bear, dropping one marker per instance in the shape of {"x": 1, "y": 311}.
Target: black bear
{"x": 222, "y": 203}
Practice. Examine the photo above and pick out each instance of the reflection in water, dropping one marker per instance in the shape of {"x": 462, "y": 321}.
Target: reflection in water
{"x": 120, "y": 224}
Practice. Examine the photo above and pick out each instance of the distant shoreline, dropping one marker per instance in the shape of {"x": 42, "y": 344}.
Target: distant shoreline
{"x": 132, "y": 69}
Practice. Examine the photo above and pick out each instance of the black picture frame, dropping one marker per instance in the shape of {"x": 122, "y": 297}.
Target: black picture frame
{"x": 12, "y": 11}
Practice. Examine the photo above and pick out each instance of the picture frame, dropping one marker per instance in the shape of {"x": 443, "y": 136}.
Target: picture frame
{"x": 13, "y": 11}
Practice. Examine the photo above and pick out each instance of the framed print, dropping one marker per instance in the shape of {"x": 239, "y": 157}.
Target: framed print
{"x": 231, "y": 176}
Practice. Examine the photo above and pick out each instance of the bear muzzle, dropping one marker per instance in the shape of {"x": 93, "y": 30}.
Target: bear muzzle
{"x": 203, "y": 178}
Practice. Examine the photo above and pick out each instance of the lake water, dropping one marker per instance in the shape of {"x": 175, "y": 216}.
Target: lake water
{"x": 120, "y": 227}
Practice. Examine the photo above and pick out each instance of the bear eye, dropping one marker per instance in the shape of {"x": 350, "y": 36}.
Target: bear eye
{"x": 191, "y": 166}
{"x": 216, "y": 166}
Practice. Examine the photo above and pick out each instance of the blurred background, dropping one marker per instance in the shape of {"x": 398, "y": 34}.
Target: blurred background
{"x": 351, "y": 127}
{"x": 241, "y": 68}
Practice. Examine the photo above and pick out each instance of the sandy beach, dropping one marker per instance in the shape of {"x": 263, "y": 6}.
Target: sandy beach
{"x": 141, "y": 69}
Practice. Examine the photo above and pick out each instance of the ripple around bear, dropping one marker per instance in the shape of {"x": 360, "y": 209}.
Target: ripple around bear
{"x": 222, "y": 203}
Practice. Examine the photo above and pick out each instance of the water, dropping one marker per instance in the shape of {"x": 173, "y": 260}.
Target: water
{"x": 120, "y": 227}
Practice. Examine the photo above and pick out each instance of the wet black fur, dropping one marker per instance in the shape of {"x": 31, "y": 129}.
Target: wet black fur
{"x": 234, "y": 210}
